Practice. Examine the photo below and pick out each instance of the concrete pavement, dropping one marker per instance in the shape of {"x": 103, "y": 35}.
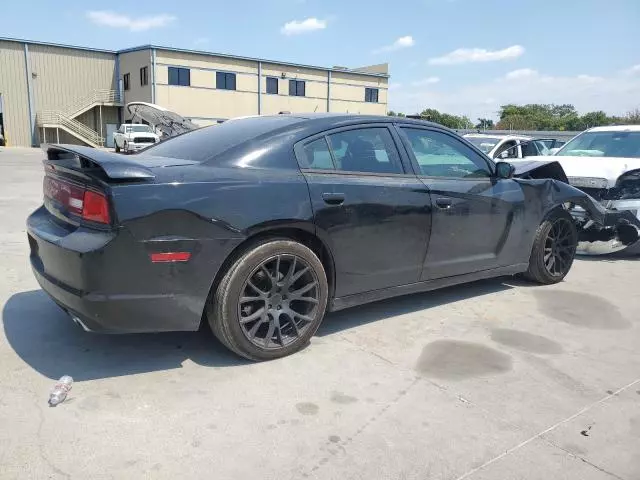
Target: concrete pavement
{"x": 494, "y": 380}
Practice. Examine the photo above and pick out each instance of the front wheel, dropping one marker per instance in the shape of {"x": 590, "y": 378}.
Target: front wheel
{"x": 271, "y": 300}
{"x": 117, "y": 148}
{"x": 554, "y": 248}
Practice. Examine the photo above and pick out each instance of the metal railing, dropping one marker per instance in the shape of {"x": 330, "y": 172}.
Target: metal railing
{"x": 53, "y": 119}
{"x": 66, "y": 118}
{"x": 93, "y": 98}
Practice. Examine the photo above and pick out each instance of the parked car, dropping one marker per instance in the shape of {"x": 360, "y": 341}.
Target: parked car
{"x": 131, "y": 137}
{"x": 506, "y": 147}
{"x": 605, "y": 163}
{"x": 260, "y": 225}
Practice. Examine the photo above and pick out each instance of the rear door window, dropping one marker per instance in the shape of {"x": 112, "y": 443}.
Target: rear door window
{"x": 368, "y": 150}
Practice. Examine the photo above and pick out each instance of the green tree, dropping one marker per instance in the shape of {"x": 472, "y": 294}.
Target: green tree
{"x": 485, "y": 124}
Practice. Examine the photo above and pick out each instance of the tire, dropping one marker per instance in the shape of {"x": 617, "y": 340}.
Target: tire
{"x": 117, "y": 148}
{"x": 124, "y": 147}
{"x": 266, "y": 267}
{"x": 543, "y": 268}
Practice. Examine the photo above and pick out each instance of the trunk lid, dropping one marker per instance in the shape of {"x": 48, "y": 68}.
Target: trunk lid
{"x": 78, "y": 182}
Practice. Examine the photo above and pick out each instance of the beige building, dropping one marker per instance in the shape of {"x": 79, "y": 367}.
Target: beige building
{"x": 57, "y": 93}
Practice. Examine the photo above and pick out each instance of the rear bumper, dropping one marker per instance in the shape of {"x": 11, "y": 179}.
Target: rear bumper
{"x": 107, "y": 281}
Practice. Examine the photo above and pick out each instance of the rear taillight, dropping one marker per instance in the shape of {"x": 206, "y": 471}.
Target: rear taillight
{"x": 95, "y": 207}
{"x": 77, "y": 200}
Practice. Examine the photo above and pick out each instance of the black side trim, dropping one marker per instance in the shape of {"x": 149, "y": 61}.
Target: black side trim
{"x": 375, "y": 295}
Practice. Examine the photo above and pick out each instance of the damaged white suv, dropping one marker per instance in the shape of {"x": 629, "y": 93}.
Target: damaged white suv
{"x": 605, "y": 163}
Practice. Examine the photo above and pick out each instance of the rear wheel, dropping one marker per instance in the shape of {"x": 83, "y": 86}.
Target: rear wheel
{"x": 554, "y": 248}
{"x": 271, "y": 300}
{"x": 117, "y": 148}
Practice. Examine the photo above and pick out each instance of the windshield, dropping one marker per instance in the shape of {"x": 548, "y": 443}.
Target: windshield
{"x": 485, "y": 144}
{"x": 603, "y": 144}
{"x": 138, "y": 128}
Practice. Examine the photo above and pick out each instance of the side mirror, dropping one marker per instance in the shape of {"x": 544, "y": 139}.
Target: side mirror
{"x": 505, "y": 170}
{"x": 504, "y": 154}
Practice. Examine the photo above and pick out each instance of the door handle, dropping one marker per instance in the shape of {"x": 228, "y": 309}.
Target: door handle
{"x": 333, "y": 198}
{"x": 444, "y": 203}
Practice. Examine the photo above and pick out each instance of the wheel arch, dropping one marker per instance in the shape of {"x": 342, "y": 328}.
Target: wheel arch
{"x": 303, "y": 236}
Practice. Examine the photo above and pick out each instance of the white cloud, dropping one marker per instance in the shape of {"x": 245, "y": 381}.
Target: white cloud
{"x": 615, "y": 94}
{"x": 633, "y": 70}
{"x": 425, "y": 81}
{"x": 521, "y": 73}
{"x": 400, "y": 43}
{"x": 139, "y": 24}
{"x": 470, "y": 55}
{"x": 296, "y": 27}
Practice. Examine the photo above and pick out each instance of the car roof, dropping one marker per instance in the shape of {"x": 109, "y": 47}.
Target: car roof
{"x": 497, "y": 135}
{"x": 616, "y": 128}
{"x": 330, "y": 118}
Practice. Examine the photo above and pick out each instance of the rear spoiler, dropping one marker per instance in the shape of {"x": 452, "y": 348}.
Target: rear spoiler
{"x": 116, "y": 167}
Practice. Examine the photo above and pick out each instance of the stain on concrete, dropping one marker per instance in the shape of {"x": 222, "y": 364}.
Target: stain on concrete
{"x": 610, "y": 392}
{"x": 580, "y": 309}
{"x": 195, "y": 443}
{"x": 334, "y": 438}
{"x": 339, "y": 397}
{"x": 525, "y": 341}
{"x": 212, "y": 426}
{"x": 457, "y": 360}
{"x": 271, "y": 427}
{"x": 113, "y": 395}
{"x": 634, "y": 423}
{"x": 307, "y": 408}
{"x": 282, "y": 422}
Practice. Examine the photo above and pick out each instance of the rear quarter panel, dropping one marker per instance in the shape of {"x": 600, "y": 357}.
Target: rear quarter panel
{"x": 208, "y": 211}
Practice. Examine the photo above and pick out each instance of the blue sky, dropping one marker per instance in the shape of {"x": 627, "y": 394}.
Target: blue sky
{"x": 460, "y": 56}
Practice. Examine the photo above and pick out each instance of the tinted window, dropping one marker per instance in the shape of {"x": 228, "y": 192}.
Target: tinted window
{"x": 179, "y": 76}
{"x": 225, "y": 81}
{"x": 371, "y": 95}
{"x": 272, "y": 85}
{"x": 317, "y": 155}
{"x": 208, "y": 142}
{"x": 126, "y": 80}
{"x": 441, "y": 155}
{"x": 296, "y": 88}
{"x": 365, "y": 150}
{"x": 144, "y": 76}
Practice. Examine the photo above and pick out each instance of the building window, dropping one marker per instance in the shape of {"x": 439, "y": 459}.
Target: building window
{"x": 144, "y": 76}
{"x": 296, "y": 88}
{"x": 371, "y": 95}
{"x": 179, "y": 76}
{"x": 126, "y": 81}
{"x": 225, "y": 81}
{"x": 272, "y": 85}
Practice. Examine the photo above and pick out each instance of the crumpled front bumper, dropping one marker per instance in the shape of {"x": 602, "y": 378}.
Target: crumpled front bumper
{"x": 617, "y": 212}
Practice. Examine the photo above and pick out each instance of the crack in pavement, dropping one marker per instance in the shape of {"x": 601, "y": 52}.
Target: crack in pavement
{"x": 540, "y": 435}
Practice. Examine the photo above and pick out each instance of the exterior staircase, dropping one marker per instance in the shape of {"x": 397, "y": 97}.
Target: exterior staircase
{"x": 66, "y": 120}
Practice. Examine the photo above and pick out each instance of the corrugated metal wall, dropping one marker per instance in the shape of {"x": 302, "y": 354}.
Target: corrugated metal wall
{"x": 13, "y": 87}
{"x": 64, "y": 76}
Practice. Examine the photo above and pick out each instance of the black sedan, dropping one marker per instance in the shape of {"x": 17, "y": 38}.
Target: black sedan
{"x": 261, "y": 225}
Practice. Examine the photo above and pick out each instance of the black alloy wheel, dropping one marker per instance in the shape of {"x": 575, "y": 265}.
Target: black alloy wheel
{"x": 554, "y": 248}
{"x": 560, "y": 247}
{"x": 270, "y": 301}
{"x": 279, "y": 301}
